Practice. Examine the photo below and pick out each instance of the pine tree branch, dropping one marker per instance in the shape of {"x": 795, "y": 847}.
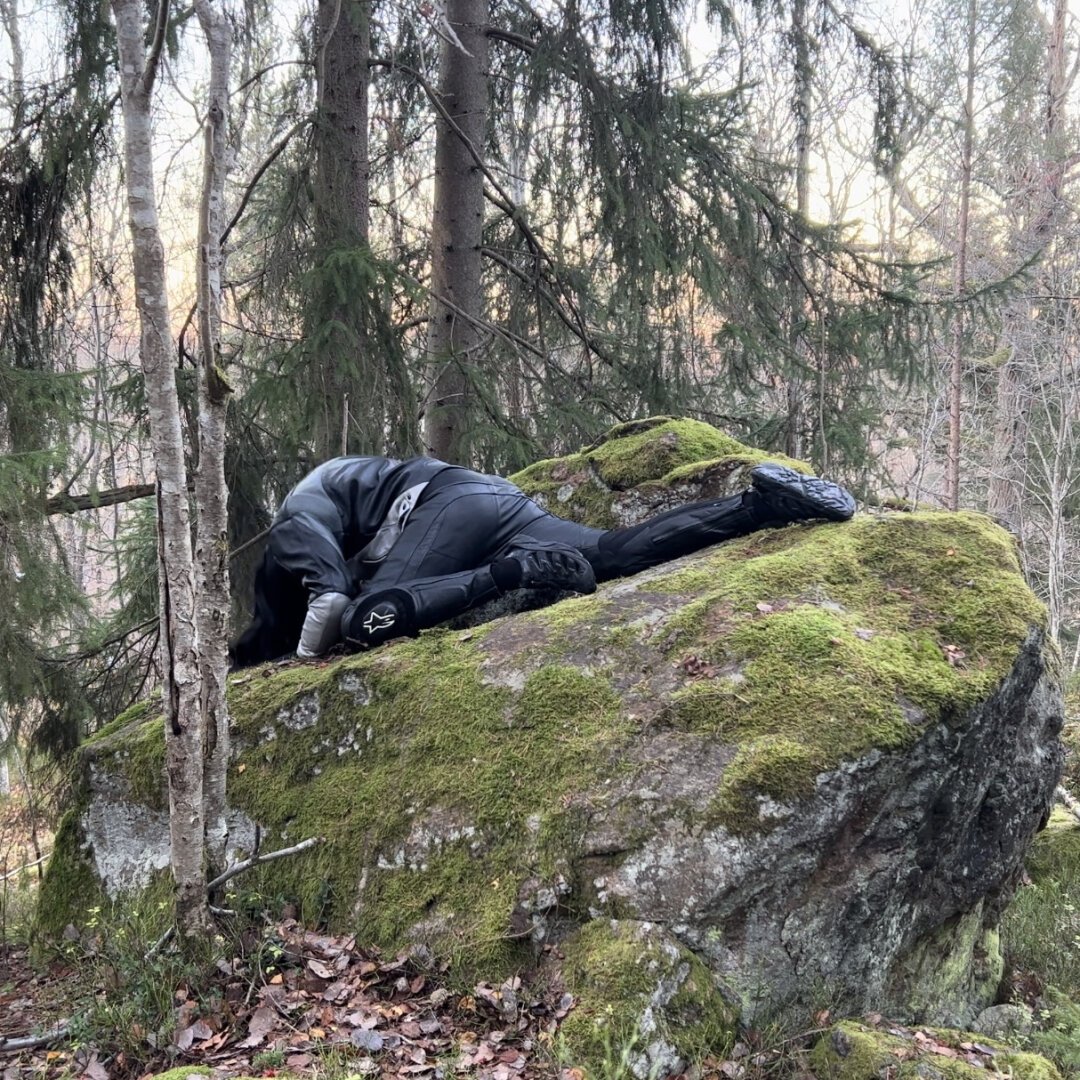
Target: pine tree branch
{"x": 503, "y": 201}
{"x": 256, "y": 176}
{"x": 94, "y": 500}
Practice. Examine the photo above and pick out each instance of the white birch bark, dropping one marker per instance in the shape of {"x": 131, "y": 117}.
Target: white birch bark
{"x": 956, "y": 366}
{"x": 211, "y": 491}
{"x": 179, "y": 656}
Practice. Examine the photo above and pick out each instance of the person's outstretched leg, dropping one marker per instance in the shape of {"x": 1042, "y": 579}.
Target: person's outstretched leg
{"x": 779, "y": 495}
{"x": 458, "y": 550}
{"x": 418, "y": 604}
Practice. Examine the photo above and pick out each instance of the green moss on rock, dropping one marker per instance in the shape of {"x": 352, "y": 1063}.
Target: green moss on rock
{"x": 854, "y": 1051}
{"x": 958, "y": 963}
{"x": 1041, "y": 927}
{"x": 823, "y": 642}
{"x": 645, "y": 455}
{"x": 71, "y": 887}
{"x": 446, "y": 787}
{"x": 641, "y": 995}
{"x": 133, "y": 746}
{"x": 133, "y": 714}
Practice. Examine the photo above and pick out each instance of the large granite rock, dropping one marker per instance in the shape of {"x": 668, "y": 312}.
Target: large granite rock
{"x": 807, "y": 762}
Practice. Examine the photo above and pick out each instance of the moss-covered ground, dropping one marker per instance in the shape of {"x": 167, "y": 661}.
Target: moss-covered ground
{"x": 1041, "y": 938}
{"x": 1070, "y": 735}
{"x": 1041, "y": 927}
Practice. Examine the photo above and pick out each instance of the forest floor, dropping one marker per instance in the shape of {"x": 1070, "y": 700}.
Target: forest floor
{"x": 301, "y": 1003}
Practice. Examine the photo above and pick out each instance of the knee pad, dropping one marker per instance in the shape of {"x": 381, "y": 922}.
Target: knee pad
{"x": 370, "y": 620}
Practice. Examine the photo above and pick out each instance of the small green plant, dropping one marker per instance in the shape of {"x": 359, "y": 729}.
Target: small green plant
{"x": 621, "y": 1058}
{"x": 1057, "y": 1034}
{"x": 126, "y": 993}
{"x": 268, "y": 1059}
{"x": 18, "y": 897}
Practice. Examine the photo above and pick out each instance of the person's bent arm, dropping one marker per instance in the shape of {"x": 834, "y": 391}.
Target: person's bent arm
{"x": 304, "y": 545}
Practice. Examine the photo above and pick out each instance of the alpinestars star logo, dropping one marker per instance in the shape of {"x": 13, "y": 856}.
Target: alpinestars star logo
{"x": 375, "y": 622}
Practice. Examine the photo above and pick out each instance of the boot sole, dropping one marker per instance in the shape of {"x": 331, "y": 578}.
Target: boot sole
{"x": 810, "y": 495}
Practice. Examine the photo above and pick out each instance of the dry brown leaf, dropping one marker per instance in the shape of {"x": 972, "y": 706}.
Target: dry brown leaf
{"x": 260, "y": 1024}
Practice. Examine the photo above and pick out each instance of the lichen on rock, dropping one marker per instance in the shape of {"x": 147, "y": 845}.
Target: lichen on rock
{"x": 810, "y": 758}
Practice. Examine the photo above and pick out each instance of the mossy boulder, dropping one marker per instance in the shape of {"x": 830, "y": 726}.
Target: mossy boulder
{"x": 813, "y": 758}
{"x": 641, "y": 468}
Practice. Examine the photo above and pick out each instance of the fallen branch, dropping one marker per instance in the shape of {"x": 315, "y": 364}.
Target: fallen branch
{"x": 33, "y": 1042}
{"x": 256, "y": 860}
{"x": 234, "y": 871}
{"x": 19, "y": 869}
{"x": 1069, "y": 801}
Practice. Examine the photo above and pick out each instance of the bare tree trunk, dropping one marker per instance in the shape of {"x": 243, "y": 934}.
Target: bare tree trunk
{"x": 956, "y": 368}
{"x": 1039, "y": 204}
{"x": 211, "y": 491}
{"x": 9, "y": 14}
{"x": 454, "y": 340}
{"x": 796, "y": 411}
{"x": 342, "y": 175}
{"x": 179, "y": 657}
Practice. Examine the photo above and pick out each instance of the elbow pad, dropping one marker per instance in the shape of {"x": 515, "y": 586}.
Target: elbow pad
{"x": 322, "y": 627}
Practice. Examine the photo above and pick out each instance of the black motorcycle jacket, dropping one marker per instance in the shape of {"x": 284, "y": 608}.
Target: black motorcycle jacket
{"x": 335, "y": 512}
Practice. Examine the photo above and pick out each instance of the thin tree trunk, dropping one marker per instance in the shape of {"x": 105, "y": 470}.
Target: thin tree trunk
{"x": 1040, "y": 206}
{"x": 956, "y": 368}
{"x": 211, "y": 491}
{"x": 9, "y": 14}
{"x": 454, "y": 340}
{"x": 179, "y": 659}
{"x": 803, "y": 104}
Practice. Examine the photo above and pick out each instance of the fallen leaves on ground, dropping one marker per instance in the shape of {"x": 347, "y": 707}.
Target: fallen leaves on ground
{"x": 385, "y": 1017}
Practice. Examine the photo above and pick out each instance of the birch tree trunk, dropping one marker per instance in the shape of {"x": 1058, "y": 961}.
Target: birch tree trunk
{"x": 457, "y": 297}
{"x": 956, "y": 367}
{"x": 211, "y": 491}
{"x": 179, "y": 658}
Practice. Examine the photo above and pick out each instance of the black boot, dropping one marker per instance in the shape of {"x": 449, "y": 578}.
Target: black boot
{"x": 543, "y": 565}
{"x": 785, "y": 495}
